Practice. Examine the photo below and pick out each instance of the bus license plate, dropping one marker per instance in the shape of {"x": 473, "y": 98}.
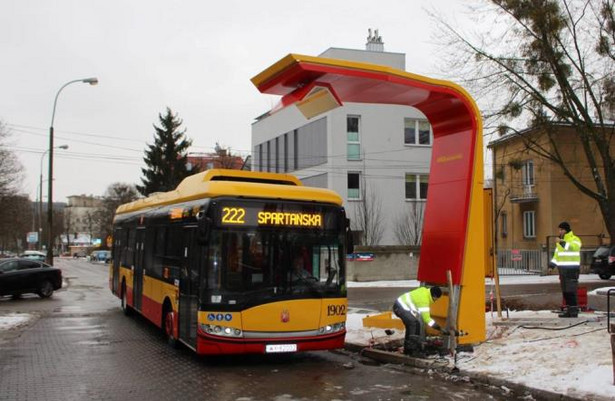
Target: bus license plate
{"x": 271, "y": 348}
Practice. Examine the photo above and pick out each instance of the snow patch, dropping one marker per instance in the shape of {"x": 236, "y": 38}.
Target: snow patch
{"x": 13, "y": 320}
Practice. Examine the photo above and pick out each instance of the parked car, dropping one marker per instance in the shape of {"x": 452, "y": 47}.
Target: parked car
{"x": 35, "y": 255}
{"x": 20, "y": 276}
{"x": 603, "y": 262}
{"x": 100, "y": 256}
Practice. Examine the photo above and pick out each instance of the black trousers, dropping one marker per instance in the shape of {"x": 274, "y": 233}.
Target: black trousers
{"x": 569, "y": 282}
{"x": 412, "y": 340}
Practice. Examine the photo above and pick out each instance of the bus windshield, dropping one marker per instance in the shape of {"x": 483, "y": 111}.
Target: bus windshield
{"x": 257, "y": 265}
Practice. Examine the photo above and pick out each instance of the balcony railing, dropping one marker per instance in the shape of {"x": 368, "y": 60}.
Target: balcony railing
{"x": 524, "y": 193}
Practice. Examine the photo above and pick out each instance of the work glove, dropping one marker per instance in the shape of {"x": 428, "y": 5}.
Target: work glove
{"x": 552, "y": 265}
{"x": 436, "y": 327}
{"x": 562, "y": 244}
{"x": 445, "y": 332}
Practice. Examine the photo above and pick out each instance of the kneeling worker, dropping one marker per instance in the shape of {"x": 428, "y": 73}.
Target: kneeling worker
{"x": 408, "y": 307}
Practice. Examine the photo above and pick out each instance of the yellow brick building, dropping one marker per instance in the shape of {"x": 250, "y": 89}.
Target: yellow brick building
{"x": 532, "y": 195}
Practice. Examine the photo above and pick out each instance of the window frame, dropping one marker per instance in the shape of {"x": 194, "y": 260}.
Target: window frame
{"x": 417, "y": 135}
{"x": 417, "y": 182}
{"x": 528, "y": 177}
{"x": 357, "y": 142}
{"x": 358, "y": 174}
{"x": 504, "y": 224}
{"x": 529, "y": 224}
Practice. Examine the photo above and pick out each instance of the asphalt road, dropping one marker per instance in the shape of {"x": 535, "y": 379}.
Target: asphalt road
{"x": 81, "y": 346}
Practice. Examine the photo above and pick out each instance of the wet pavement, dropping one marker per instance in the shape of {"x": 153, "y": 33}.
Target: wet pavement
{"x": 82, "y": 347}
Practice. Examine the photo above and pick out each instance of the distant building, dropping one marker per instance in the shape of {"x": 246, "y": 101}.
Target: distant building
{"x": 221, "y": 158}
{"x": 80, "y": 217}
{"x": 368, "y": 153}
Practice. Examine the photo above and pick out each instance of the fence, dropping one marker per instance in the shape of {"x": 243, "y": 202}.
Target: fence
{"x": 535, "y": 261}
{"x": 520, "y": 261}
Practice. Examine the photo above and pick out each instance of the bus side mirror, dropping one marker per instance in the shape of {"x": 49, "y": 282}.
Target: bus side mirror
{"x": 204, "y": 230}
{"x": 349, "y": 239}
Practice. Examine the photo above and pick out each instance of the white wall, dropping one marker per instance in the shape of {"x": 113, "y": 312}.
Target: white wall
{"x": 386, "y": 159}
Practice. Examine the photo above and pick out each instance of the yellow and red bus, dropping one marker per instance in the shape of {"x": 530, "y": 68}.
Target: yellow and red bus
{"x": 211, "y": 263}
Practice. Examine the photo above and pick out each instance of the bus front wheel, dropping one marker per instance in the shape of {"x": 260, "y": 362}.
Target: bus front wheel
{"x": 168, "y": 325}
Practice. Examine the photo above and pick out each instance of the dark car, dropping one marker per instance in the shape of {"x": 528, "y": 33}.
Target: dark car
{"x": 20, "y": 276}
{"x": 603, "y": 262}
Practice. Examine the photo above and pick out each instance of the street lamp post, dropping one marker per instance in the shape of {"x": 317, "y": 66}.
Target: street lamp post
{"x": 40, "y": 196}
{"x": 91, "y": 81}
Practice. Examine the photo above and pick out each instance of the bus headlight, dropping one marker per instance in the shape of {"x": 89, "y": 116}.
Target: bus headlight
{"x": 222, "y": 331}
{"x": 332, "y": 328}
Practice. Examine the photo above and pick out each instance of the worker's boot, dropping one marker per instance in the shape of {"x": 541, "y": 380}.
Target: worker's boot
{"x": 571, "y": 311}
{"x": 412, "y": 347}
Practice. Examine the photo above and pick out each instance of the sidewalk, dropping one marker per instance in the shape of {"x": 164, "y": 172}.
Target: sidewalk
{"x": 531, "y": 351}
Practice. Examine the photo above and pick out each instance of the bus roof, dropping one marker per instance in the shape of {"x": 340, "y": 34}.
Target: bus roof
{"x": 247, "y": 184}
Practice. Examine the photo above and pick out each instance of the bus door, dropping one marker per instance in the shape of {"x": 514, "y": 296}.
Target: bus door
{"x": 138, "y": 268}
{"x": 117, "y": 247}
{"x": 189, "y": 287}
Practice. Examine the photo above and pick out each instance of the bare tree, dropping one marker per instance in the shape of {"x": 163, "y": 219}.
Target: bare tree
{"x": 15, "y": 221}
{"x": 116, "y": 194}
{"x": 368, "y": 216}
{"x": 68, "y": 227}
{"x": 10, "y": 168}
{"x": 541, "y": 63}
{"x": 409, "y": 227}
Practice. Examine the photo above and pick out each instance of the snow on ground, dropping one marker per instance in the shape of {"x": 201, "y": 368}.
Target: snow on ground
{"x": 504, "y": 280}
{"x": 576, "y": 361}
{"x": 13, "y": 320}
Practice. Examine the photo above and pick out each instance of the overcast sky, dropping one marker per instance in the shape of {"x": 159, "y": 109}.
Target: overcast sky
{"x": 196, "y": 57}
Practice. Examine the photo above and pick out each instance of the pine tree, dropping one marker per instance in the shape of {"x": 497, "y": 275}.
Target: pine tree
{"x": 166, "y": 158}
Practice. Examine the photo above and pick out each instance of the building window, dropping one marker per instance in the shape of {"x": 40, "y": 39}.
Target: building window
{"x": 277, "y": 155}
{"x": 416, "y": 186}
{"x": 504, "y": 224}
{"x": 354, "y": 186}
{"x": 417, "y": 132}
{"x": 296, "y": 149}
{"x": 268, "y": 156}
{"x": 529, "y": 224}
{"x": 528, "y": 173}
{"x": 353, "y": 139}
{"x": 285, "y": 153}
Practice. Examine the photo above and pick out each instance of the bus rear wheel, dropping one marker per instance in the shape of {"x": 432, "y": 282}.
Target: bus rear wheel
{"x": 168, "y": 321}
{"x": 124, "y": 303}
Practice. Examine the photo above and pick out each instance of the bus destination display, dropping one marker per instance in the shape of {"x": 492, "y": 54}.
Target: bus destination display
{"x": 262, "y": 216}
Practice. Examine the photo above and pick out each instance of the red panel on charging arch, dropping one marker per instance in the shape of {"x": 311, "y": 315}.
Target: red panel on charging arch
{"x": 448, "y": 201}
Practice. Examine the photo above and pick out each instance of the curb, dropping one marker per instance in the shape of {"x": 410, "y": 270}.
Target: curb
{"x": 400, "y": 359}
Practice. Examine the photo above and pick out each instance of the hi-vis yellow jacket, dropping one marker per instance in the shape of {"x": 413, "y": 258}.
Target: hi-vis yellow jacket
{"x": 568, "y": 255}
{"x": 417, "y": 301}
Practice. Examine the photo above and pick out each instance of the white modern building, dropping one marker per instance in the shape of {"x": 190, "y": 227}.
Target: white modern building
{"x": 375, "y": 156}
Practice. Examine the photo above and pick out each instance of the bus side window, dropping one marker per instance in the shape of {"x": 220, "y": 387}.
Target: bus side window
{"x": 150, "y": 239}
{"x": 158, "y": 249}
{"x": 129, "y": 256}
{"x": 124, "y": 246}
{"x": 117, "y": 246}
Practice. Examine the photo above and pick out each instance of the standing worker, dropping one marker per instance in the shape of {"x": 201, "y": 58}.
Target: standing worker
{"x": 567, "y": 259}
{"x": 408, "y": 307}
